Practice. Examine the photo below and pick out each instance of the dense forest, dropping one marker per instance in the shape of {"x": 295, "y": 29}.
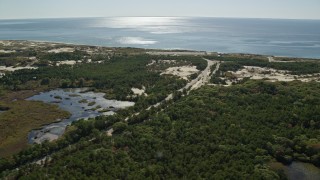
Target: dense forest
{"x": 115, "y": 77}
{"x": 252, "y": 129}
{"x": 215, "y": 132}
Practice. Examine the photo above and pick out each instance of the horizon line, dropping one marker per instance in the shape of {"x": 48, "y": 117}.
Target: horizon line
{"x": 79, "y": 17}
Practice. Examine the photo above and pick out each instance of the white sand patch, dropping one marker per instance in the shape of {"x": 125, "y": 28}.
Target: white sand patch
{"x": 43, "y": 160}
{"x": 5, "y": 51}
{"x": 109, "y": 132}
{"x": 32, "y": 44}
{"x": 71, "y": 62}
{"x": 6, "y": 43}
{"x": 60, "y": 50}
{"x": 11, "y": 69}
{"x": 229, "y": 83}
{"x": 167, "y": 61}
{"x": 183, "y": 71}
{"x": 138, "y": 91}
{"x": 90, "y": 51}
{"x": 110, "y": 113}
{"x": 33, "y": 58}
{"x": 272, "y": 75}
{"x": 152, "y": 63}
{"x": 162, "y": 62}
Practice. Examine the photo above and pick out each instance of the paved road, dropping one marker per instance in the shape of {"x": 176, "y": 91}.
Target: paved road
{"x": 205, "y": 75}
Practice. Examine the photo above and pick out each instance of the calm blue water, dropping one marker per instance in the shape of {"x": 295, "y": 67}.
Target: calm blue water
{"x": 70, "y": 101}
{"x": 298, "y": 38}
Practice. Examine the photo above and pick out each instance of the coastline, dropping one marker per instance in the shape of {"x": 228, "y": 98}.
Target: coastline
{"x": 150, "y": 50}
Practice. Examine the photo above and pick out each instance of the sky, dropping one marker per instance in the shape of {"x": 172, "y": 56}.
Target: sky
{"x": 279, "y": 9}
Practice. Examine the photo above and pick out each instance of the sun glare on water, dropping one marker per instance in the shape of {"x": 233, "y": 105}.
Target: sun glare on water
{"x": 153, "y": 25}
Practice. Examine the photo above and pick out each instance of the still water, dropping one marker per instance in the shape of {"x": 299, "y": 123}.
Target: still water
{"x": 80, "y": 103}
{"x": 302, "y": 171}
{"x": 297, "y": 38}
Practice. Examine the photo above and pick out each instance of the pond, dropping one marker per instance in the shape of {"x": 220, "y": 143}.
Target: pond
{"x": 81, "y": 103}
{"x": 302, "y": 171}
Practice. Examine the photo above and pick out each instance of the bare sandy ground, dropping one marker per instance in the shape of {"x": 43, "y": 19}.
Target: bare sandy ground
{"x": 110, "y": 113}
{"x": 272, "y": 75}
{"x": 183, "y": 71}
{"x": 11, "y": 69}
{"x": 60, "y": 50}
{"x": 109, "y": 132}
{"x": 43, "y": 160}
{"x": 5, "y": 51}
{"x": 152, "y": 63}
{"x": 162, "y": 62}
{"x": 167, "y": 61}
{"x": 138, "y": 91}
{"x": 6, "y": 43}
{"x": 70, "y": 62}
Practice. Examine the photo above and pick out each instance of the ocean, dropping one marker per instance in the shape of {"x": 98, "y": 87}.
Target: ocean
{"x": 294, "y": 38}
